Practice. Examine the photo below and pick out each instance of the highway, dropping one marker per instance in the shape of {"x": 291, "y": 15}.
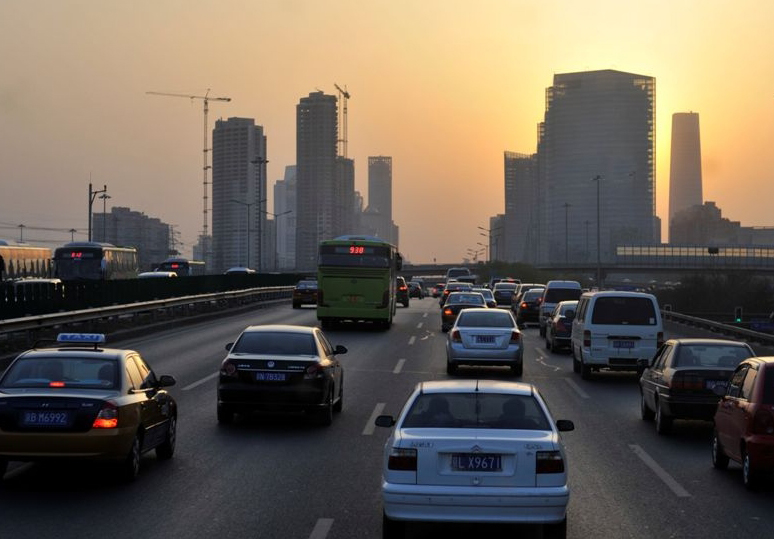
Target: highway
{"x": 286, "y": 477}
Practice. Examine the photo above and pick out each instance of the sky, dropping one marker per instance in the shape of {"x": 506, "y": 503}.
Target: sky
{"x": 443, "y": 86}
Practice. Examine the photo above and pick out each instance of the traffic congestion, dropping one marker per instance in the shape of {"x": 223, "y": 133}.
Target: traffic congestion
{"x": 285, "y": 468}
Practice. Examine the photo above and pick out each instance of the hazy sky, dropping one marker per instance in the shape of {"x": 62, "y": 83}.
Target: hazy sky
{"x": 442, "y": 86}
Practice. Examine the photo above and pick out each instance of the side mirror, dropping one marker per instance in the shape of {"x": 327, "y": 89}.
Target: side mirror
{"x": 340, "y": 349}
{"x": 384, "y": 421}
{"x": 229, "y": 346}
{"x": 564, "y": 425}
{"x": 166, "y": 380}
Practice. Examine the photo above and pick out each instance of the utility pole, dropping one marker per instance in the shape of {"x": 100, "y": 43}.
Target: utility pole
{"x": 92, "y": 195}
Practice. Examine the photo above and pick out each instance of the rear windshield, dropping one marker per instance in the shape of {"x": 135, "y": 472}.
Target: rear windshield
{"x": 74, "y": 372}
{"x": 275, "y": 343}
{"x": 532, "y": 295}
{"x": 718, "y": 356}
{"x": 555, "y": 295}
{"x": 624, "y": 310}
{"x": 310, "y": 285}
{"x": 476, "y": 410}
{"x": 494, "y": 319}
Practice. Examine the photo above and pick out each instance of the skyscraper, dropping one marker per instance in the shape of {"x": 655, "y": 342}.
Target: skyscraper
{"x": 597, "y": 124}
{"x": 685, "y": 189}
{"x": 521, "y": 215}
{"x": 285, "y": 210}
{"x": 380, "y": 196}
{"x": 316, "y": 173}
{"x": 238, "y": 193}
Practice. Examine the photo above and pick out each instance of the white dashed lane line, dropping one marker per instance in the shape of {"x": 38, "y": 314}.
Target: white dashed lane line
{"x": 412, "y": 340}
{"x": 399, "y": 366}
{"x": 662, "y": 474}
{"x": 322, "y": 528}
{"x": 200, "y": 382}
{"x": 369, "y": 428}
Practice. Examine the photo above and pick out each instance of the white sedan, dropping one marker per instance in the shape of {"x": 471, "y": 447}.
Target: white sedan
{"x": 475, "y": 451}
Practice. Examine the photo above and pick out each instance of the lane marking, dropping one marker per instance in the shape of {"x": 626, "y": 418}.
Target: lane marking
{"x": 370, "y": 426}
{"x": 582, "y": 394}
{"x": 399, "y": 366}
{"x": 321, "y": 528}
{"x": 412, "y": 340}
{"x": 424, "y": 315}
{"x": 202, "y": 381}
{"x": 419, "y": 326}
{"x": 541, "y": 357}
{"x": 670, "y": 481}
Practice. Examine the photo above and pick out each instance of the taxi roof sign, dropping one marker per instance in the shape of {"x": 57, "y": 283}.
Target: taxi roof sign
{"x": 83, "y": 338}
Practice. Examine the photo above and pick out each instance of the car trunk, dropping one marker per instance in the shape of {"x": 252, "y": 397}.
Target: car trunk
{"x": 30, "y": 412}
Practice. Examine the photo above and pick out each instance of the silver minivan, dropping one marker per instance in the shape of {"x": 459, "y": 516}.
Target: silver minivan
{"x": 616, "y": 331}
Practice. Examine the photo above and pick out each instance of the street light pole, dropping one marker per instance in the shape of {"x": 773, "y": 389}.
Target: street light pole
{"x": 598, "y": 179}
{"x": 92, "y": 195}
{"x": 104, "y": 197}
{"x": 276, "y": 234}
{"x": 21, "y": 233}
{"x": 260, "y": 161}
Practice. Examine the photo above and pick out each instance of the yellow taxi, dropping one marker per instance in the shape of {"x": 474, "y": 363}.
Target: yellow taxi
{"x": 80, "y": 400}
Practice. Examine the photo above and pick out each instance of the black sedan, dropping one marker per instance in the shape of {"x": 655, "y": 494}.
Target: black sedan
{"x": 305, "y": 293}
{"x": 281, "y": 368}
{"x": 455, "y": 302}
{"x": 527, "y": 307}
{"x": 681, "y": 381}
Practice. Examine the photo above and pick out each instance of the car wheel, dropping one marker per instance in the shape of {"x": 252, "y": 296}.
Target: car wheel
{"x": 663, "y": 421}
{"x": 225, "y": 416}
{"x": 130, "y": 467}
{"x": 340, "y": 403}
{"x": 646, "y": 413}
{"x": 167, "y": 447}
{"x": 557, "y": 530}
{"x": 451, "y": 368}
{"x": 749, "y": 476}
{"x": 542, "y": 331}
{"x": 719, "y": 457}
{"x": 296, "y": 305}
{"x": 518, "y": 369}
{"x": 326, "y": 413}
{"x": 585, "y": 370}
{"x": 392, "y": 529}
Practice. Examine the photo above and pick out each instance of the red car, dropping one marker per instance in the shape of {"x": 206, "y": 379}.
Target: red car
{"x": 744, "y": 421}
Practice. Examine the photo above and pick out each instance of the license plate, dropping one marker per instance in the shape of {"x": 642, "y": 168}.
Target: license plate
{"x": 353, "y": 299}
{"x": 712, "y": 384}
{"x": 270, "y": 376}
{"x": 46, "y": 419}
{"x": 623, "y": 344}
{"x": 485, "y": 339}
{"x": 476, "y": 462}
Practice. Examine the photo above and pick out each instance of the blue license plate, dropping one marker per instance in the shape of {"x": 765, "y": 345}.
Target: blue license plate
{"x": 46, "y": 419}
{"x": 623, "y": 344}
{"x": 485, "y": 339}
{"x": 270, "y": 376}
{"x": 476, "y": 462}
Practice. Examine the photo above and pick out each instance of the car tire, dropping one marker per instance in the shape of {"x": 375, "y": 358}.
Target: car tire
{"x": 225, "y": 415}
{"x": 451, "y": 368}
{"x": 663, "y": 421}
{"x": 719, "y": 457}
{"x": 556, "y": 530}
{"x": 296, "y": 305}
{"x": 325, "y": 415}
{"x": 518, "y": 369}
{"x": 585, "y": 370}
{"x": 339, "y": 405}
{"x": 749, "y": 476}
{"x": 645, "y": 412}
{"x": 130, "y": 466}
{"x": 167, "y": 448}
{"x": 392, "y": 529}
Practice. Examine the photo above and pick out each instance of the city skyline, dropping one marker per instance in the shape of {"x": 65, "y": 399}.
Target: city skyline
{"x": 74, "y": 104}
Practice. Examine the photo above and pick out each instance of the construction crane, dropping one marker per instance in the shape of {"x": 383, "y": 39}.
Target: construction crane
{"x": 206, "y": 99}
{"x": 343, "y": 96}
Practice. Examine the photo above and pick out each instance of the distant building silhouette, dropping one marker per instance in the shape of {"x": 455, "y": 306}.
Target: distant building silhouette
{"x": 126, "y": 228}
{"x": 685, "y": 180}
{"x": 519, "y": 228}
{"x": 378, "y": 214}
{"x": 238, "y": 174}
{"x": 285, "y": 201}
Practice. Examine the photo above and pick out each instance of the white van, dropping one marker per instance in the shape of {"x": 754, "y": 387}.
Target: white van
{"x": 615, "y": 330}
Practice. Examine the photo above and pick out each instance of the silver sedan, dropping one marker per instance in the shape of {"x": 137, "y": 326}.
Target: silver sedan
{"x": 483, "y": 336}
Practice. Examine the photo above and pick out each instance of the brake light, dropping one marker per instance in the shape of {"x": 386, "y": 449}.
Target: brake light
{"x": 763, "y": 422}
{"x": 686, "y": 383}
{"x": 56, "y": 384}
{"x": 455, "y": 336}
{"x": 515, "y": 337}
{"x": 402, "y": 459}
{"x": 587, "y": 339}
{"x": 539, "y": 301}
{"x": 107, "y": 418}
{"x": 549, "y": 462}
{"x": 523, "y": 305}
{"x": 315, "y": 370}
{"x": 228, "y": 368}
{"x": 448, "y": 312}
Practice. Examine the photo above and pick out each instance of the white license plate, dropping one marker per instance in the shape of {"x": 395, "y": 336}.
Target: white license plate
{"x": 270, "y": 376}
{"x": 476, "y": 462}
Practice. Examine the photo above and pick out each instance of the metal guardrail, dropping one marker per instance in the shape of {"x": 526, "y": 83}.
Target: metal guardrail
{"x": 718, "y": 327}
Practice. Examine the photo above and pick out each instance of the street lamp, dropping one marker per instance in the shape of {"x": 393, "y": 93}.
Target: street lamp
{"x": 486, "y": 249}
{"x": 566, "y": 232}
{"x": 92, "y": 195}
{"x": 246, "y": 205}
{"x": 598, "y": 179}
{"x": 488, "y": 235}
{"x": 260, "y": 161}
{"x": 104, "y": 197}
{"x": 21, "y": 233}
{"x": 276, "y": 234}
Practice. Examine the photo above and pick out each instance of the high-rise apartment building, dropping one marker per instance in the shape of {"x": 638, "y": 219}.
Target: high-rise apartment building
{"x": 285, "y": 217}
{"x": 316, "y": 143}
{"x": 685, "y": 182}
{"x": 598, "y": 124}
{"x": 127, "y": 228}
{"x": 238, "y": 194}
{"x": 520, "y": 222}
{"x": 380, "y": 197}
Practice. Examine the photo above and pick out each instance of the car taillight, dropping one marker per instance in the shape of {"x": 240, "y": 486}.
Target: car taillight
{"x": 447, "y": 312}
{"x": 523, "y": 305}
{"x": 549, "y": 462}
{"x": 763, "y": 422}
{"x": 402, "y": 459}
{"x": 107, "y": 418}
{"x": 539, "y": 301}
{"x": 455, "y": 336}
{"x": 315, "y": 370}
{"x": 686, "y": 383}
{"x": 228, "y": 368}
{"x": 659, "y": 339}
{"x": 587, "y": 339}
{"x": 515, "y": 337}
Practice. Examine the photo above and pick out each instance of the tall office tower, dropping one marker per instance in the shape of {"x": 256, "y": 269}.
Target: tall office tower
{"x": 519, "y": 237}
{"x": 598, "y": 124}
{"x": 344, "y": 197}
{"x": 238, "y": 193}
{"x": 685, "y": 165}
{"x": 380, "y": 197}
{"x": 316, "y": 142}
{"x": 285, "y": 217}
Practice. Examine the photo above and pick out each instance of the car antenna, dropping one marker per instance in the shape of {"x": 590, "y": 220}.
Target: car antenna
{"x": 477, "y": 385}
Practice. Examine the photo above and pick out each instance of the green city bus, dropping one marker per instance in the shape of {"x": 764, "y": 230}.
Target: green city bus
{"x": 356, "y": 280}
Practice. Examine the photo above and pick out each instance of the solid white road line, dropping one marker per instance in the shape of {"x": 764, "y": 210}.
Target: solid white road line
{"x": 399, "y": 366}
{"x": 670, "y": 481}
{"x": 322, "y": 528}
{"x": 582, "y": 394}
{"x": 369, "y": 428}
{"x": 200, "y": 382}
